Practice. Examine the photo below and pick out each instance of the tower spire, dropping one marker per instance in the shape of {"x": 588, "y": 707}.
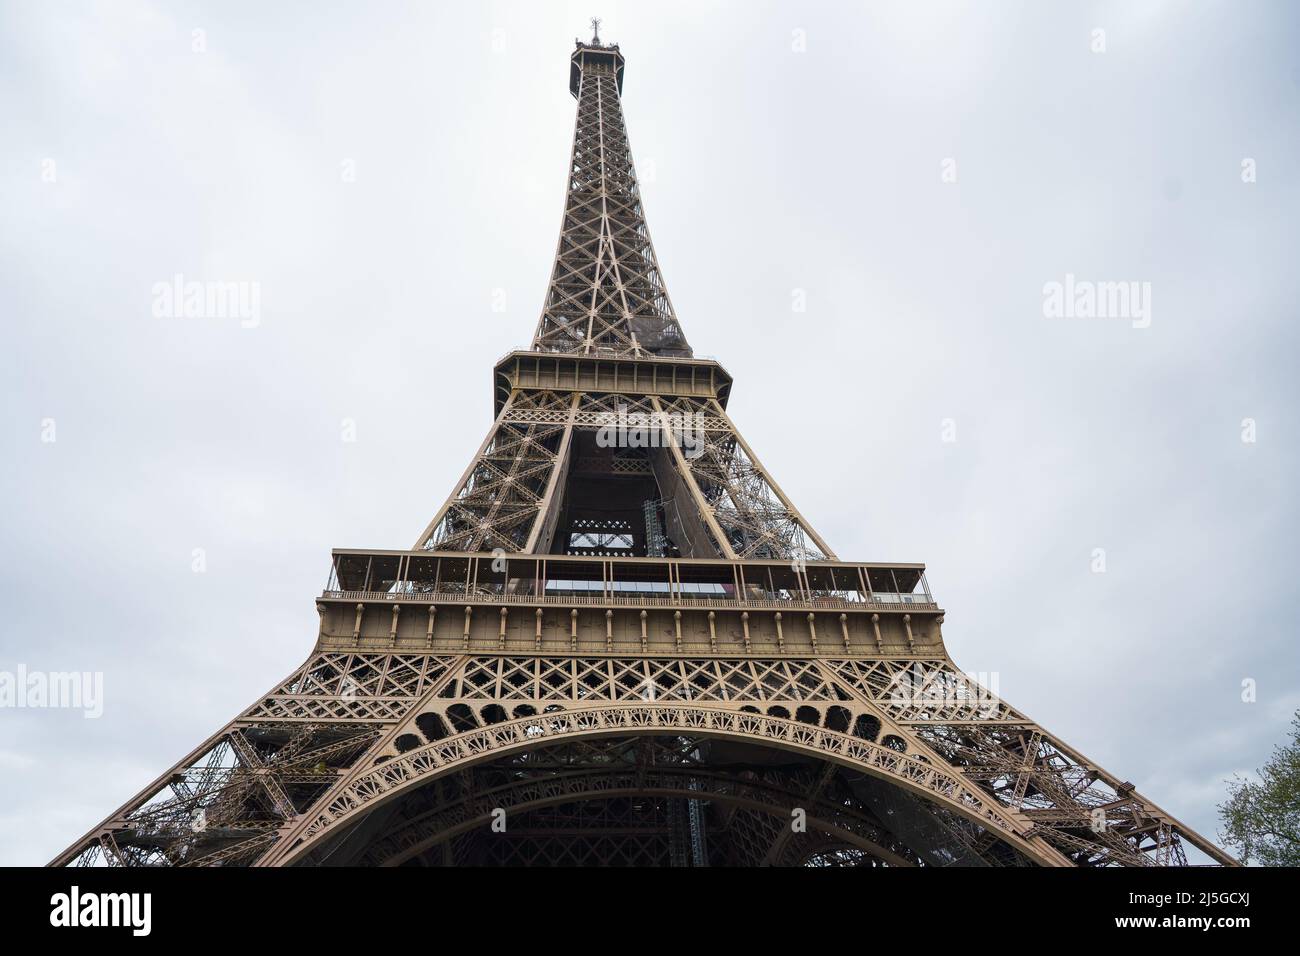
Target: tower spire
{"x": 606, "y": 295}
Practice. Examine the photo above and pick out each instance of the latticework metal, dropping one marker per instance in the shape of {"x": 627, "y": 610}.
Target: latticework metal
{"x": 619, "y": 643}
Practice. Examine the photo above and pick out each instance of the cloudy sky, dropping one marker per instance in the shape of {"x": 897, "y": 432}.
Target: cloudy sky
{"x": 385, "y": 172}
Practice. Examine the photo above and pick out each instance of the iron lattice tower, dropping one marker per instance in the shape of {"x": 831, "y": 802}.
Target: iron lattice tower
{"x": 620, "y": 631}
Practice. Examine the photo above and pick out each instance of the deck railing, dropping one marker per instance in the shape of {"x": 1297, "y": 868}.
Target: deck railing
{"x": 622, "y": 581}
{"x": 642, "y": 600}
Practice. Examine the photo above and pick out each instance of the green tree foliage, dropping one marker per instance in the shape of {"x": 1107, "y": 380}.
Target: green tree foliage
{"x": 1261, "y": 819}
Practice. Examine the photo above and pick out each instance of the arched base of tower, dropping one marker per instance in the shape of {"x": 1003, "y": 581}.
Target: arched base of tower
{"x": 383, "y": 759}
{"x": 660, "y": 801}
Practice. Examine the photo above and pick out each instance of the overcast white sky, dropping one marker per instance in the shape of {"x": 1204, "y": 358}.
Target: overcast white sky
{"x": 766, "y": 170}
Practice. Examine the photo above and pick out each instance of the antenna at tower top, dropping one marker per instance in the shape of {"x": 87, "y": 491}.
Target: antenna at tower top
{"x": 595, "y": 31}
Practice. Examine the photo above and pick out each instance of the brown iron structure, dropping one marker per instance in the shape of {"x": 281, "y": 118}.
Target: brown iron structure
{"x": 619, "y": 643}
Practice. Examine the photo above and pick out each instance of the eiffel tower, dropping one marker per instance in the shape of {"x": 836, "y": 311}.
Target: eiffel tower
{"x": 618, "y": 642}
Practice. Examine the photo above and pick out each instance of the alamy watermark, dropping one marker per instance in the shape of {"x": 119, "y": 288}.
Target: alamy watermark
{"x": 928, "y": 688}
{"x": 1085, "y": 299}
{"x": 192, "y": 299}
{"x": 133, "y": 911}
{"x": 64, "y": 690}
{"x": 624, "y": 429}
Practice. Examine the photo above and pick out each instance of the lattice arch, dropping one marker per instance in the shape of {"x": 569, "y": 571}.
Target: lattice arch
{"x": 370, "y": 788}
{"x": 465, "y": 810}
